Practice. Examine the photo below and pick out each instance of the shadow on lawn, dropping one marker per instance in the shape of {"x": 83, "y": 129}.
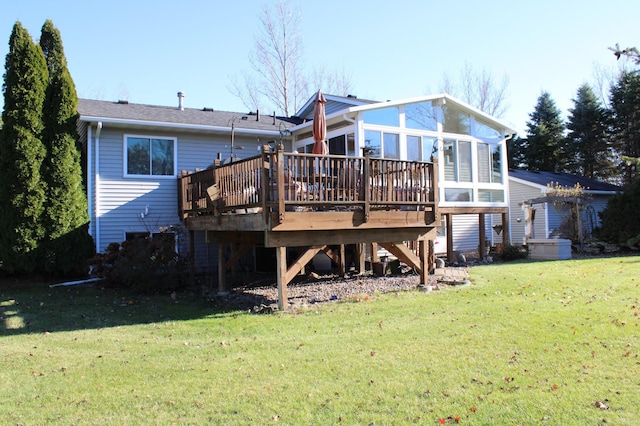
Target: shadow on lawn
{"x": 34, "y": 307}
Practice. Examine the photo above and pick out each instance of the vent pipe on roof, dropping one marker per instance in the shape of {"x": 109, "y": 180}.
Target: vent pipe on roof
{"x": 257, "y": 115}
{"x": 181, "y": 101}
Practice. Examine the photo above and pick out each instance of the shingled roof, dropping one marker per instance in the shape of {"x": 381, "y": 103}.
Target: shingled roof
{"x": 564, "y": 179}
{"x": 94, "y": 110}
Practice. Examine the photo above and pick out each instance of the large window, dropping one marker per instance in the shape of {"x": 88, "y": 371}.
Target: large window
{"x": 421, "y": 148}
{"x": 489, "y": 163}
{"x": 149, "y": 156}
{"x": 421, "y": 115}
{"x": 389, "y": 116}
{"x": 457, "y": 160}
{"x": 383, "y": 145}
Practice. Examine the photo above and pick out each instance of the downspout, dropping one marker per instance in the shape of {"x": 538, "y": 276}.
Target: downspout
{"x": 97, "y": 185}
{"x": 89, "y": 187}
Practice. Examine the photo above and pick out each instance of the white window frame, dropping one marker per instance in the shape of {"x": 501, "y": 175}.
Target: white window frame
{"x": 125, "y": 164}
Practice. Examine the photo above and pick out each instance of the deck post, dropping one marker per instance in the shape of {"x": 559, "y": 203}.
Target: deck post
{"x": 280, "y": 183}
{"x": 505, "y": 229}
{"x": 366, "y": 177}
{"x": 281, "y": 274}
{"x": 432, "y": 256}
{"x": 361, "y": 255}
{"x": 448, "y": 219}
{"x": 222, "y": 276}
{"x": 342, "y": 266}
{"x": 424, "y": 262}
{"x": 192, "y": 257}
{"x": 482, "y": 235}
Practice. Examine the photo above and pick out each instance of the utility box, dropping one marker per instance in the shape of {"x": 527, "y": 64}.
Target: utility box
{"x": 549, "y": 249}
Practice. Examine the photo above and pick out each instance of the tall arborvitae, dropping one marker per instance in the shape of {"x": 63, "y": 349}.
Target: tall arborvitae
{"x": 545, "y": 136}
{"x": 587, "y": 144}
{"x": 66, "y": 219}
{"x": 22, "y": 191}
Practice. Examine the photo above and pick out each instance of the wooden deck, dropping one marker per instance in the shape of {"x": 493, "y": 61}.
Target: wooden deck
{"x": 282, "y": 200}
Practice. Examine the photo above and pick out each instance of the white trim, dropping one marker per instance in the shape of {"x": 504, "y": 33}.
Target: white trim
{"x": 125, "y": 136}
{"x": 508, "y": 130}
{"x": 179, "y": 126}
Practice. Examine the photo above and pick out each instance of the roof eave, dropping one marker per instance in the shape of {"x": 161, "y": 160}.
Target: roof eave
{"x": 177, "y": 126}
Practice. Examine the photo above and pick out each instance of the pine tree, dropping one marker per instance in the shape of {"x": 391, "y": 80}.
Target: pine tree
{"x": 625, "y": 108}
{"x": 66, "y": 218}
{"x": 516, "y": 151}
{"x": 22, "y": 191}
{"x": 545, "y": 135}
{"x": 587, "y": 144}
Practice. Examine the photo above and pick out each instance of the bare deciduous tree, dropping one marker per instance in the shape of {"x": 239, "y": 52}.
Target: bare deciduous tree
{"x": 479, "y": 89}
{"x": 334, "y": 82}
{"x": 276, "y": 62}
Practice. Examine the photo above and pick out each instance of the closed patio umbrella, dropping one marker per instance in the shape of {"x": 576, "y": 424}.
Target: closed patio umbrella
{"x": 320, "y": 126}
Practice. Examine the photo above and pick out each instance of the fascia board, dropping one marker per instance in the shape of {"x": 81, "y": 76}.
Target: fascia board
{"x": 178, "y": 126}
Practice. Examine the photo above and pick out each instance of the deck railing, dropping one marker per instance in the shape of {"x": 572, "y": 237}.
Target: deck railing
{"x": 279, "y": 181}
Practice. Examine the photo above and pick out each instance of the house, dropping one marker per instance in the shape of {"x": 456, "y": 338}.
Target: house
{"x": 551, "y": 219}
{"x": 135, "y": 152}
{"x": 437, "y": 157}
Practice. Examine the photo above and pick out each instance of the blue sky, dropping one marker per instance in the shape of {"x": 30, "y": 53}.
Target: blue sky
{"x": 147, "y": 51}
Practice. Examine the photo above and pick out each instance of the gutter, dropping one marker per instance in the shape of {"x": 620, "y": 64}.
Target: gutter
{"x": 178, "y": 126}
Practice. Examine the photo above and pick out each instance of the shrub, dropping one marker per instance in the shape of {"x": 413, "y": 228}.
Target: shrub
{"x": 143, "y": 265}
{"x": 511, "y": 252}
{"x": 620, "y": 219}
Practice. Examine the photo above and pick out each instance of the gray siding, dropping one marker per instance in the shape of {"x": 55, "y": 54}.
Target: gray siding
{"x": 518, "y": 193}
{"x": 122, "y": 199}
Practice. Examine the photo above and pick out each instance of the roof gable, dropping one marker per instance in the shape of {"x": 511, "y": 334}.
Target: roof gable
{"x": 334, "y": 103}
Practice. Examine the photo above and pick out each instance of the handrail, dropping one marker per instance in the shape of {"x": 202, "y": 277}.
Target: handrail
{"x": 279, "y": 181}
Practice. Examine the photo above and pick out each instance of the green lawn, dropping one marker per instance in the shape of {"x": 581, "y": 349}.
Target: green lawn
{"x": 525, "y": 343}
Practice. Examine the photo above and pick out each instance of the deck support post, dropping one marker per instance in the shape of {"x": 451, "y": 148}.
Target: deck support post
{"x": 222, "y": 276}
{"x": 281, "y": 277}
{"x": 432, "y": 256}
{"x": 192, "y": 257}
{"x": 505, "y": 229}
{"x": 448, "y": 219}
{"x": 424, "y": 262}
{"x": 361, "y": 255}
{"x": 482, "y": 247}
{"x": 342, "y": 267}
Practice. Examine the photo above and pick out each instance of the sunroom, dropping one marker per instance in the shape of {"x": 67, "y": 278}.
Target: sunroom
{"x": 468, "y": 145}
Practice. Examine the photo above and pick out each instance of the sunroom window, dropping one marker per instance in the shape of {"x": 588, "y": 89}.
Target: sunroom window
{"x": 149, "y": 156}
{"x": 389, "y": 116}
{"x": 457, "y": 160}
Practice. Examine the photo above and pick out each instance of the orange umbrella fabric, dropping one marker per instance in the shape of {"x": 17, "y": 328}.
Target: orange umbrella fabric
{"x": 320, "y": 126}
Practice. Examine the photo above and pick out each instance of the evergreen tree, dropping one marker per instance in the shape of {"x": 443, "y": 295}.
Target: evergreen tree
{"x": 625, "y": 109}
{"x": 545, "y": 135}
{"x": 587, "y": 144}
{"x": 22, "y": 191}
{"x": 66, "y": 218}
{"x": 516, "y": 152}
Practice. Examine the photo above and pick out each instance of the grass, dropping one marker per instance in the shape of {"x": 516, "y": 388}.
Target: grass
{"x": 526, "y": 343}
